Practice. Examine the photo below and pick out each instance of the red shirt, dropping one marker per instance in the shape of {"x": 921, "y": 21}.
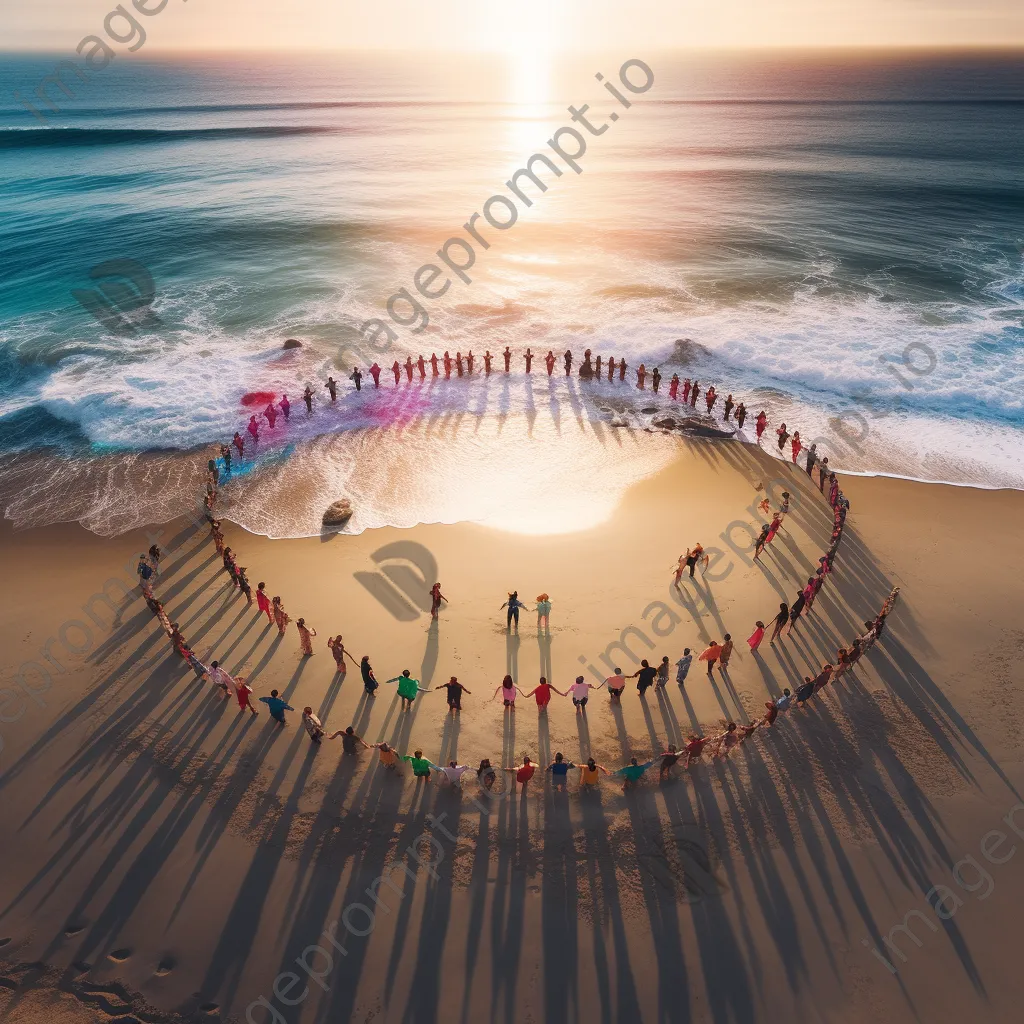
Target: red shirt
{"x": 525, "y": 773}
{"x": 695, "y": 746}
{"x": 543, "y": 694}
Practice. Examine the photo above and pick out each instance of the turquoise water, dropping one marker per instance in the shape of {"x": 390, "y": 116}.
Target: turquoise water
{"x": 803, "y": 223}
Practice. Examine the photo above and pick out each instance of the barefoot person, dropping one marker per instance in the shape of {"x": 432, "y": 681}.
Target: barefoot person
{"x": 559, "y": 768}
{"x": 590, "y": 774}
{"x": 580, "y": 692}
{"x": 508, "y": 691}
{"x": 306, "y": 634}
{"x": 542, "y": 693}
{"x": 523, "y": 773}
{"x": 436, "y": 597}
{"x": 632, "y": 773}
{"x": 350, "y": 742}
{"x": 407, "y": 688}
{"x": 313, "y": 725}
{"x": 243, "y": 693}
{"x": 263, "y": 602}
{"x": 370, "y": 683}
{"x": 277, "y": 707}
{"x": 616, "y": 684}
{"x": 420, "y": 765}
{"x": 455, "y": 691}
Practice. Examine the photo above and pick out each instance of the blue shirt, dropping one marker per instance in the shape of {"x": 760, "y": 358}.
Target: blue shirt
{"x": 560, "y": 767}
{"x": 682, "y": 667}
{"x": 277, "y": 706}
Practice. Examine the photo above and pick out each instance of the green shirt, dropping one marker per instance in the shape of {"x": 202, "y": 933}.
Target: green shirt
{"x": 420, "y": 765}
{"x": 634, "y": 771}
{"x": 408, "y": 687}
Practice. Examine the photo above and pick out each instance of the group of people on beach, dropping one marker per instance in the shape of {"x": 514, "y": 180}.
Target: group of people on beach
{"x": 592, "y": 367}
{"x": 715, "y": 655}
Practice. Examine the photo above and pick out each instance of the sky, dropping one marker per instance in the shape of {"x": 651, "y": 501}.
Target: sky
{"x": 512, "y": 25}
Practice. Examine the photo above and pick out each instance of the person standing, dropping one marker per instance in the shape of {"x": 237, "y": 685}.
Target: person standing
{"x": 433, "y": 364}
{"x": 543, "y": 611}
{"x": 422, "y": 367}
{"x": 420, "y": 765}
{"x": 673, "y": 387}
{"x": 307, "y": 397}
{"x": 622, "y": 368}
{"x": 694, "y": 394}
{"x": 254, "y": 429}
{"x": 761, "y": 424}
{"x": 796, "y": 445}
{"x": 656, "y": 380}
{"x": 683, "y": 666}
{"x": 762, "y": 540}
{"x": 662, "y": 680}
{"x": 332, "y": 388}
{"x": 280, "y": 615}
{"x": 455, "y": 691}
{"x": 641, "y": 373}
{"x": 243, "y": 692}
{"x": 796, "y": 609}
{"x": 616, "y": 684}
{"x": 580, "y": 692}
{"x": 542, "y": 693}
{"x": 590, "y": 774}
{"x": 306, "y": 635}
{"x": 396, "y": 369}
{"x": 523, "y": 773}
{"x": 783, "y": 435}
{"x": 529, "y": 359}
{"x": 508, "y": 357}
{"x": 559, "y": 768}
{"x": 436, "y": 597}
{"x": 549, "y": 362}
{"x": 313, "y": 725}
{"x": 375, "y": 374}
{"x": 669, "y": 759}
{"x": 508, "y": 690}
{"x": 632, "y": 772}
{"x": 285, "y": 407}
{"x": 408, "y": 688}
{"x": 357, "y": 378}
{"x": 755, "y": 638}
{"x": 568, "y": 362}
{"x": 727, "y": 647}
{"x": 644, "y": 676}
{"x": 711, "y": 655}
{"x": 487, "y": 362}
{"x": 350, "y": 742}
{"x": 741, "y": 415}
{"x": 780, "y": 620}
{"x": 271, "y": 414}
{"x": 336, "y": 646}
{"x": 611, "y": 368}
{"x": 728, "y": 406}
{"x": 513, "y": 604}
{"x": 277, "y": 707}
{"x": 812, "y": 458}
{"x": 221, "y": 679}
{"x": 469, "y": 362}
{"x": 370, "y": 683}
{"x": 458, "y": 364}
{"x": 453, "y": 772}
{"x": 408, "y": 368}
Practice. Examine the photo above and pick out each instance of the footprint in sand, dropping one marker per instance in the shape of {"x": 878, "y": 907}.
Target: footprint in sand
{"x": 119, "y": 955}
{"x": 5, "y": 941}
{"x": 72, "y": 930}
{"x": 165, "y": 967}
{"x": 81, "y": 967}
{"x": 210, "y": 1008}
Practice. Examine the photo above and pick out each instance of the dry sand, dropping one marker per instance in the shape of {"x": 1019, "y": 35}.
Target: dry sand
{"x": 165, "y": 856}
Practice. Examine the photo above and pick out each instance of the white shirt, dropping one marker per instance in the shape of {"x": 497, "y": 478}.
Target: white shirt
{"x": 782, "y": 703}
{"x": 312, "y": 724}
{"x": 222, "y": 678}
{"x": 579, "y": 690}
{"x": 454, "y": 774}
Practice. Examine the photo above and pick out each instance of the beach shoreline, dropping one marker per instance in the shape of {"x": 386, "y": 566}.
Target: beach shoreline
{"x": 184, "y": 835}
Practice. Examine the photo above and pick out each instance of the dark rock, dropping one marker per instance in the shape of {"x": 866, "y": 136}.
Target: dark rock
{"x": 688, "y": 351}
{"x": 292, "y": 343}
{"x": 650, "y": 410}
{"x": 339, "y": 513}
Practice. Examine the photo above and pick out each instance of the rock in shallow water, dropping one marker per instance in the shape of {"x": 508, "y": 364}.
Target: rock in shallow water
{"x": 339, "y": 513}
{"x": 292, "y": 343}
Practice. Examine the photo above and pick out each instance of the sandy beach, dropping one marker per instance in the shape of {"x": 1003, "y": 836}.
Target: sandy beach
{"x": 169, "y": 857}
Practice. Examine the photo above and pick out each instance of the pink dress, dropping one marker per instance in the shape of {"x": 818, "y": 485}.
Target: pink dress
{"x": 755, "y": 638}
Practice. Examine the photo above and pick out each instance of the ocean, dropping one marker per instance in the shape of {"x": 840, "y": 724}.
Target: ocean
{"x": 838, "y": 238}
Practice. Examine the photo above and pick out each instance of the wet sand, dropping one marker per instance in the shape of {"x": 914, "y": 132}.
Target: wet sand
{"x": 184, "y": 855}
